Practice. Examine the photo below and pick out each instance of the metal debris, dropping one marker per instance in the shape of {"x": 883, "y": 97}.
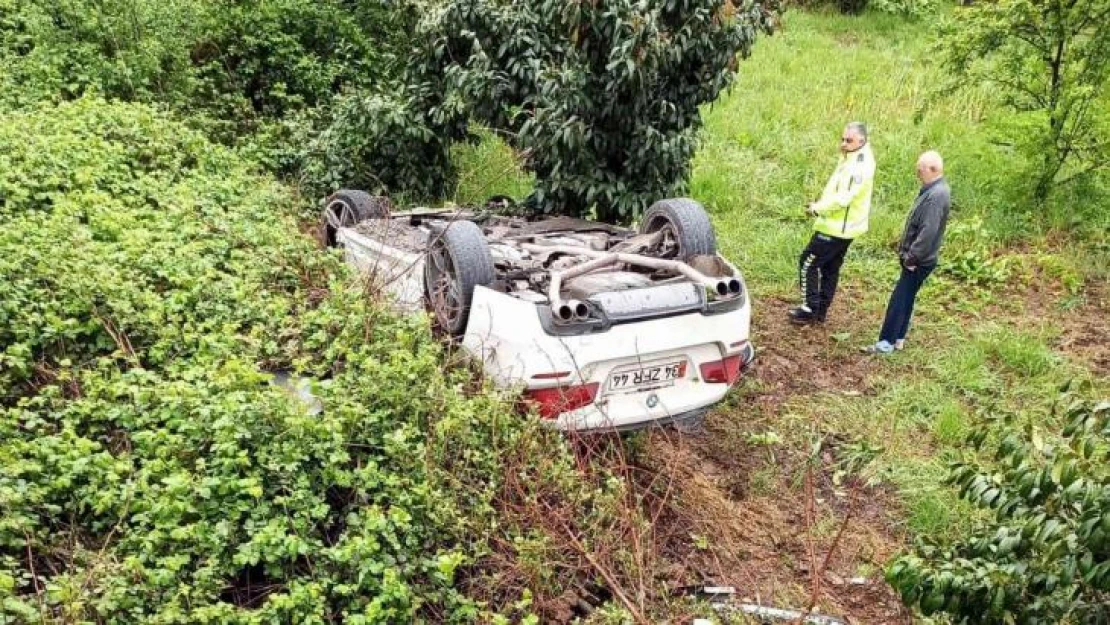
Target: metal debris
{"x": 720, "y": 598}
{"x": 779, "y": 614}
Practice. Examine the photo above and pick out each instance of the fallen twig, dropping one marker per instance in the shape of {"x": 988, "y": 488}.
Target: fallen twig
{"x": 819, "y": 573}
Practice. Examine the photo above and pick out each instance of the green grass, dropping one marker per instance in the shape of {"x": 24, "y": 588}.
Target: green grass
{"x": 488, "y": 168}
{"x": 766, "y": 150}
{"x": 770, "y": 144}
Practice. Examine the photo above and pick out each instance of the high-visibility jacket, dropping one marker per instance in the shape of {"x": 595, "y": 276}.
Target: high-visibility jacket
{"x": 845, "y": 203}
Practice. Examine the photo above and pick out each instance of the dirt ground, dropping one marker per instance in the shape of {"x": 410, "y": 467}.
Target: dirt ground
{"x": 773, "y": 549}
{"x": 716, "y": 508}
{"x": 714, "y": 530}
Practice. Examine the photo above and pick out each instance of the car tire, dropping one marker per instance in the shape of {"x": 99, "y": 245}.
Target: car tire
{"x": 347, "y": 207}
{"x": 457, "y": 261}
{"x": 687, "y": 224}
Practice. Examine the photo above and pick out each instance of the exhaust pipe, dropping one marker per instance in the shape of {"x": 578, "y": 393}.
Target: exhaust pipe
{"x": 571, "y": 310}
{"x": 725, "y": 288}
{"x": 581, "y": 310}
{"x": 564, "y": 312}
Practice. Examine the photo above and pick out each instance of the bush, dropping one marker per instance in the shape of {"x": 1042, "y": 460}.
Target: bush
{"x": 1050, "y": 63}
{"x": 380, "y": 143}
{"x": 908, "y": 8}
{"x": 1042, "y": 553}
{"x": 128, "y": 235}
{"x": 150, "y": 470}
{"x": 235, "y": 63}
{"x": 969, "y": 257}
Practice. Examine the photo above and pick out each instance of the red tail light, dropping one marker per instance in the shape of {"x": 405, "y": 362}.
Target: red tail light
{"x": 725, "y": 371}
{"x": 551, "y": 402}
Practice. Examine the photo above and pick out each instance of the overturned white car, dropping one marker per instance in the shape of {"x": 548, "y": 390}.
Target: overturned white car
{"x": 601, "y": 327}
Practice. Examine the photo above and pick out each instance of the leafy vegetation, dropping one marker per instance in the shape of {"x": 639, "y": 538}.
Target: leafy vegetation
{"x": 385, "y": 143}
{"x": 155, "y": 288}
{"x": 150, "y": 468}
{"x": 1043, "y": 555}
{"x": 602, "y": 98}
{"x": 231, "y": 65}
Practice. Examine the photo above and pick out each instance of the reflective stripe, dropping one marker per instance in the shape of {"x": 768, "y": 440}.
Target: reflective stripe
{"x": 860, "y": 223}
{"x": 803, "y": 270}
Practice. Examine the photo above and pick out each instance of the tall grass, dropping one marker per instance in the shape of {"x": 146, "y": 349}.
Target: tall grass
{"x": 770, "y": 144}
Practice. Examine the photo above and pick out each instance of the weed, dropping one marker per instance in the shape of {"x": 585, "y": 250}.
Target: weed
{"x": 762, "y": 481}
{"x": 768, "y": 440}
{"x": 950, "y": 425}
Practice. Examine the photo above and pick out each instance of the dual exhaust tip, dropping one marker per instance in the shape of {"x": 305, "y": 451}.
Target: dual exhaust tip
{"x": 728, "y": 287}
{"x": 575, "y": 310}
{"x": 572, "y": 310}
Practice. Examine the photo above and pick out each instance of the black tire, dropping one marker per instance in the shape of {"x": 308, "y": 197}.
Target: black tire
{"x": 688, "y": 227}
{"x": 347, "y": 207}
{"x": 457, "y": 261}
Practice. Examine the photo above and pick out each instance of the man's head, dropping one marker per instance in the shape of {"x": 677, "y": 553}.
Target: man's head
{"x": 854, "y": 137}
{"x": 930, "y": 166}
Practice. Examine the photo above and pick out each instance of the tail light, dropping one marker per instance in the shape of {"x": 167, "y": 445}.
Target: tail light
{"x": 551, "y": 402}
{"x": 725, "y": 371}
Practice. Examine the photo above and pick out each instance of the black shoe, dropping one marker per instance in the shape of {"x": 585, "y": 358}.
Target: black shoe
{"x": 801, "y": 316}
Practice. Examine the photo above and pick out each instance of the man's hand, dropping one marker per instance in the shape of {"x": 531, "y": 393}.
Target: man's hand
{"x": 810, "y": 210}
{"x": 911, "y": 268}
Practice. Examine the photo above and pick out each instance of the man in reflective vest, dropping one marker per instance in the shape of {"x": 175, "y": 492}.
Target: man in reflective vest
{"x": 841, "y": 216}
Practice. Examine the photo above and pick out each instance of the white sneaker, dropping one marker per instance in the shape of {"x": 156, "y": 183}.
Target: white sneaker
{"x": 900, "y": 344}
{"x": 882, "y": 347}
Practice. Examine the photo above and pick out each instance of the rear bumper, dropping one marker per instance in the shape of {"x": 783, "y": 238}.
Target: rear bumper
{"x": 592, "y": 419}
{"x": 505, "y": 334}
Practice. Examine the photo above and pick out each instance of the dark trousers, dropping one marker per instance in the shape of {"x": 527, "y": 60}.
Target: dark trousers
{"x": 819, "y": 270}
{"x": 900, "y": 308}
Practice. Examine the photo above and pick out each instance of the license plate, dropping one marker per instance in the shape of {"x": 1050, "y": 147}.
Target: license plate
{"x": 651, "y": 376}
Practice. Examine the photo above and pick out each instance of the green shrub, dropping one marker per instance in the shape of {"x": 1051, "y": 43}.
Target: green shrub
{"x": 1049, "y": 63}
{"x": 380, "y": 143}
{"x": 1043, "y": 553}
{"x": 968, "y": 256}
{"x": 149, "y": 468}
{"x": 124, "y": 234}
{"x": 908, "y": 8}
{"x": 233, "y": 63}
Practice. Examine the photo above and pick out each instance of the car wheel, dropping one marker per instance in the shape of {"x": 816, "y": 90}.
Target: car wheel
{"x": 457, "y": 261}
{"x": 687, "y": 231}
{"x": 346, "y": 207}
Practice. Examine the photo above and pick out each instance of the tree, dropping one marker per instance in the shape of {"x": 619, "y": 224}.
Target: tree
{"x": 602, "y": 97}
{"x": 1050, "y": 60}
{"x": 1041, "y": 554}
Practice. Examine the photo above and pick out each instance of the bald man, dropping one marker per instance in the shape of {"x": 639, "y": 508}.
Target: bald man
{"x": 917, "y": 252}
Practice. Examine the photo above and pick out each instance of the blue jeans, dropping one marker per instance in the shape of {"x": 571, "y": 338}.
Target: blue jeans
{"x": 900, "y": 308}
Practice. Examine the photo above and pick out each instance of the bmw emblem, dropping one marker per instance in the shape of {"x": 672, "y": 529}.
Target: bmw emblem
{"x": 652, "y": 400}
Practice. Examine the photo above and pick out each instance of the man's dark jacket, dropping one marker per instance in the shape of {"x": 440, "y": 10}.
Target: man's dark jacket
{"x": 925, "y": 225}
